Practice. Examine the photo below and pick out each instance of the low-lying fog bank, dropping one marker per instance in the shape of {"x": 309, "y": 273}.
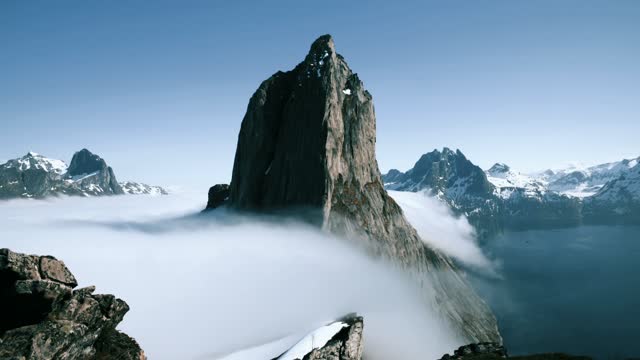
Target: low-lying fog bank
{"x": 205, "y": 287}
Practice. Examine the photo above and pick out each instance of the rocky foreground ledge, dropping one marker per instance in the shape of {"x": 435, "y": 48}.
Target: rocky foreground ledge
{"x": 43, "y": 317}
{"x": 343, "y": 340}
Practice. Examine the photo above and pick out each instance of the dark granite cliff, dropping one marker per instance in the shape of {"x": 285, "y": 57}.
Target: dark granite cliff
{"x": 308, "y": 141}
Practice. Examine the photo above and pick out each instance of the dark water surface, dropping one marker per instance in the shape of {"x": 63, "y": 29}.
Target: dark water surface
{"x": 571, "y": 290}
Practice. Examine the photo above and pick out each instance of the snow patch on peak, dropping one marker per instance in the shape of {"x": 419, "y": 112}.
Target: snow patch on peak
{"x": 508, "y": 182}
{"x": 36, "y": 161}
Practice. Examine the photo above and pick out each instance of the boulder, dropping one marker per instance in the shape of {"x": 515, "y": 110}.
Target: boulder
{"x": 44, "y": 318}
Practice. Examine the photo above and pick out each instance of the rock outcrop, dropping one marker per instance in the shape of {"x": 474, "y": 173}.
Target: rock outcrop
{"x": 218, "y": 194}
{"x": 308, "y": 141}
{"x": 483, "y": 350}
{"x": 43, "y": 317}
{"x": 494, "y": 351}
{"x": 344, "y": 343}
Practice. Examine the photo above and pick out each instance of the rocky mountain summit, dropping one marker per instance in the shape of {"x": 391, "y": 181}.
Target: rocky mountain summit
{"x": 35, "y": 176}
{"x": 44, "y": 318}
{"x": 503, "y": 198}
{"x": 455, "y": 180}
{"x": 339, "y": 340}
{"x": 307, "y": 141}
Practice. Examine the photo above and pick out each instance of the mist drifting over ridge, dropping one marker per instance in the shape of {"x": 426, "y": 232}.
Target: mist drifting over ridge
{"x": 258, "y": 281}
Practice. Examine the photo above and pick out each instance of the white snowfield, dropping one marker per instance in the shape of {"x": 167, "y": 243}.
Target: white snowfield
{"x": 135, "y": 188}
{"x": 507, "y": 182}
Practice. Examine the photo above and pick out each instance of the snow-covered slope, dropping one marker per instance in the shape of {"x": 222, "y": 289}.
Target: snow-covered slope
{"x": 135, "y": 188}
{"x": 618, "y": 199}
{"x": 509, "y": 182}
{"x": 36, "y": 161}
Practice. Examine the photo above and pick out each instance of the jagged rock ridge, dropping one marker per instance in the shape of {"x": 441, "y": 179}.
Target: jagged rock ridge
{"x": 308, "y": 140}
{"x": 43, "y": 318}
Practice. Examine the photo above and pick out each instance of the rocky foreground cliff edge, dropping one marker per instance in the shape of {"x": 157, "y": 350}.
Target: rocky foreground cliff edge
{"x": 44, "y": 318}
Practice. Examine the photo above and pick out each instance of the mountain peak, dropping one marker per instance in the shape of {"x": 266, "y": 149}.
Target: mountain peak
{"x": 85, "y": 162}
{"x": 499, "y": 168}
{"x": 323, "y": 43}
{"x": 307, "y": 140}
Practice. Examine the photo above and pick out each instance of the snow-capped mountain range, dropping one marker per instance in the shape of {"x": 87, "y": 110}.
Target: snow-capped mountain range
{"x": 502, "y": 197}
{"x": 580, "y": 182}
{"x": 36, "y": 176}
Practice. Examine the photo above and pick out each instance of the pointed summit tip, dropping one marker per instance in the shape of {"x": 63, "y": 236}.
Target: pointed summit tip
{"x": 323, "y": 43}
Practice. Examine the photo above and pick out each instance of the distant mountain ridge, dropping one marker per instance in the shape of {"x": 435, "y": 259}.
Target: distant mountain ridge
{"x": 501, "y": 198}
{"x": 36, "y": 176}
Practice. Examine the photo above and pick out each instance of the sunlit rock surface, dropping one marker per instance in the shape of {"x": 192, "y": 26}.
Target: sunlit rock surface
{"x": 308, "y": 141}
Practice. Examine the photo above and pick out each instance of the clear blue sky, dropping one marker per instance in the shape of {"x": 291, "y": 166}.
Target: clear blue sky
{"x": 159, "y": 88}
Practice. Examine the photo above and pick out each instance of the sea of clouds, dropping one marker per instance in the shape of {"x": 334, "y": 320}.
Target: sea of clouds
{"x": 205, "y": 287}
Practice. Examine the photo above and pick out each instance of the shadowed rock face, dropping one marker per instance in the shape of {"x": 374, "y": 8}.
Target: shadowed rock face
{"x": 218, "y": 194}
{"x": 308, "y": 140}
{"x": 85, "y": 162}
{"x": 42, "y": 317}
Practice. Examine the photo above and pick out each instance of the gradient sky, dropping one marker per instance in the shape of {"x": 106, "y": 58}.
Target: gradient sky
{"x": 159, "y": 88}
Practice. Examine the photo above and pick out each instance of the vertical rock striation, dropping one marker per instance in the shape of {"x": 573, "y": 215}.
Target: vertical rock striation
{"x": 308, "y": 140}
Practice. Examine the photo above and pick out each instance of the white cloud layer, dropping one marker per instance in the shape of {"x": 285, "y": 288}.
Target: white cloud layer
{"x": 203, "y": 288}
{"x": 439, "y": 228}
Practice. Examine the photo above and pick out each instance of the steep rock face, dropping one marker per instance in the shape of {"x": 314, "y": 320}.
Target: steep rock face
{"x": 308, "y": 140}
{"x": 44, "y": 318}
{"x": 91, "y": 174}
